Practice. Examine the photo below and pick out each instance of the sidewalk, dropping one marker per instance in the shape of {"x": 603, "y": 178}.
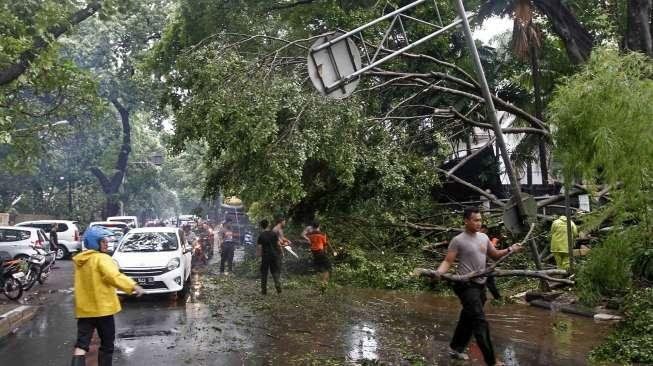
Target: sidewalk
{"x": 12, "y": 316}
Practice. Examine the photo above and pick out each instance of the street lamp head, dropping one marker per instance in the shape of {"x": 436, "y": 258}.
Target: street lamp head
{"x": 157, "y": 159}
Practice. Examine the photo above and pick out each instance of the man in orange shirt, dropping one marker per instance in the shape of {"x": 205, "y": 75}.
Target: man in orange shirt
{"x": 319, "y": 243}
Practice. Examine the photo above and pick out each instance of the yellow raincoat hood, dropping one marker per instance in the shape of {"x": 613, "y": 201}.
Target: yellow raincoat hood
{"x": 96, "y": 279}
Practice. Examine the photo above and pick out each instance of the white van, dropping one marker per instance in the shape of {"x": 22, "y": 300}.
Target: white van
{"x": 132, "y": 221}
{"x": 67, "y": 234}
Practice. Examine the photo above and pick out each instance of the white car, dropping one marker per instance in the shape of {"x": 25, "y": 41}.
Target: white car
{"x": 132, "y": 221}
{"x": 158, "y": 259}
{"x": 67, "y": 235}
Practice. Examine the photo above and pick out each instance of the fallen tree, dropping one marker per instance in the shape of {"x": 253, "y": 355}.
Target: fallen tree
{"x": 545, "y": 274}
{"x": 492, "y": 270}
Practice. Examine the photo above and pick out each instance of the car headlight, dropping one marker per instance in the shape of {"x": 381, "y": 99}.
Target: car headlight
{"x": 174, "y": 263}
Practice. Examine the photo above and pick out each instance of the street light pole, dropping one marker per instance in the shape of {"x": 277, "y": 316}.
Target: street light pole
{"x": 70, "y": 195}
{"x": 490, "y": 110}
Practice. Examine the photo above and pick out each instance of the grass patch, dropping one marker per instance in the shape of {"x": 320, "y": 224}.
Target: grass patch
{"x": 632, "y": 342}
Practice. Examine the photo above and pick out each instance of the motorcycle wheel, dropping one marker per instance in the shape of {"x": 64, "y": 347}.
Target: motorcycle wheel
{"x": 44, "y": 274}
{"x": 30, "y": 278}
{"x": 12, "y": 288}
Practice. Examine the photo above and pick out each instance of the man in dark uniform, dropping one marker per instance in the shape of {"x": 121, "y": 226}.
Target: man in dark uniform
{"x": 269, "y": 249}
{"x": 227, "y": 248}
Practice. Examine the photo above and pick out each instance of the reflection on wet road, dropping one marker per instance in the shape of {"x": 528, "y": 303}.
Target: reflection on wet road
{"x": 224, "y": 321}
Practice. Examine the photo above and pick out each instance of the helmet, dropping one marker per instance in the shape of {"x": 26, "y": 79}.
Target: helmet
{"x": 94, "y": 235}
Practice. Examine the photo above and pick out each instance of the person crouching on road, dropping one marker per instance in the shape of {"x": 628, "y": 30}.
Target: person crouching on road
{"x": 319, "y": 243}
{"x": 269, "y": 249}
{"x": 96, "y": 279}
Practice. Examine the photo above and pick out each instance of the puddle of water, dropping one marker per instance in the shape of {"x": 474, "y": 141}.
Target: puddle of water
{"x": 362, "y": 343}
{"x": 392, "y": 327}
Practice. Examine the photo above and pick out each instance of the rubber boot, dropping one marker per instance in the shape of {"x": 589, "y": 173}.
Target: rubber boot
{"x": 104, "y": 359}
{"x": 78, "y": 361}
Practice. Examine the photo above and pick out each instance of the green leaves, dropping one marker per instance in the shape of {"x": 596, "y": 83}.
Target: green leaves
{"x": 602, "y": 116}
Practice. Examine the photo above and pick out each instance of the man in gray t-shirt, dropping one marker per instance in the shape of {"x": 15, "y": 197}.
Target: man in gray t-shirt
{"x": 471, "y": 248}
{"x": 472, "y": 253}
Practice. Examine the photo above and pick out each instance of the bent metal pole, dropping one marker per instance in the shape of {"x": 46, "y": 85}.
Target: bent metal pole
{"x": 489, "y": 106}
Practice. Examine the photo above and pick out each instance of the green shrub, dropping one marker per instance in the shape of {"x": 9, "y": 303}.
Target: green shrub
{"x": 388, "y": 271}
{"x": 632, "y": 342}
{"x": 607, "y": 270}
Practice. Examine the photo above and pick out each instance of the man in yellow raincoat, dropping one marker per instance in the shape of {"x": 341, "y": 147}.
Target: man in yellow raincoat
{"x": 96, "y": 279}
{"x": 559, "y": 242}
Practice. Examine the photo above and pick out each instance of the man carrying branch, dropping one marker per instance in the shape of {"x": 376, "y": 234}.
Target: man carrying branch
{"x": 471, "y": 248}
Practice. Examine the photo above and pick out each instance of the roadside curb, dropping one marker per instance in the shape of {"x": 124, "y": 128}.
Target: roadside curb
{"x": 12, "y": 317}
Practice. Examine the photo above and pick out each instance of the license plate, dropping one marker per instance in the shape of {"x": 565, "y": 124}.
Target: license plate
{"x": 18, "y": 275}
{"x": 142, "y": 280}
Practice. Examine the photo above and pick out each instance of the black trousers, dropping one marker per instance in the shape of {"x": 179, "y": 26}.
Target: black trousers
{"x": 227, "y": 256}
{"x": 106, "y": 330}
{"x": 272, "y": 264}
{"x": 472, "y": 321}
{"x": 491, "y": 284}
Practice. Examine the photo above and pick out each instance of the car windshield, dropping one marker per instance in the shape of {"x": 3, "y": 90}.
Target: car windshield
{"x": 149, "y": 242}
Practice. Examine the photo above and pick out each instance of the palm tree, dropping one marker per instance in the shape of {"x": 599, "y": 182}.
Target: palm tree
{"x": 526, "y": 43}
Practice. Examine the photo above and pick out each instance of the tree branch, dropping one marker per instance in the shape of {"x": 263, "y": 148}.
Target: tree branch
{"x": 104, "y": 181}
{"x": 504, "y": 130}
{"x": 489, "y": 196}
{"x": 289, "y": 5}
{"x": 40, "y": 43}
{"x": 545, "y": 274}
{"x": 125, "y": 149}
{"x": 470, "y": 156}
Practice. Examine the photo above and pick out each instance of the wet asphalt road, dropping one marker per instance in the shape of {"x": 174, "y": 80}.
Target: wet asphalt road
{"x": 365, "y": 325}
{"x": 152, "y": 330}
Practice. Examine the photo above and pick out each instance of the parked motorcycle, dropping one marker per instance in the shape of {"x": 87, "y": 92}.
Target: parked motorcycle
{"x": 46, "y": 268}
{"x": 11, "y": 276}
{"x": 39, "y": 265}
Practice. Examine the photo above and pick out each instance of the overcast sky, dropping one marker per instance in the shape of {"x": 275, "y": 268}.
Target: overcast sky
{"x": 492, "y": 27}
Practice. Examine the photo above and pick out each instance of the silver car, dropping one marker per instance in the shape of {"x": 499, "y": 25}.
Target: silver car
{"x": 18, "y": 241}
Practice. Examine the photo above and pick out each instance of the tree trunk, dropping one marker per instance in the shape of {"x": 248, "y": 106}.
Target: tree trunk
{"x": 638, "y": 33}
{"x": 577, "y": 40}
{"x": 539, "y": 111}
{"x": 111, "y": 187}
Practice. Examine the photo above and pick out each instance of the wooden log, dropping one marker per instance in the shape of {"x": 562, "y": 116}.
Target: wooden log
{"x": 545, "y": 274}
{"x": 565, "y": 308}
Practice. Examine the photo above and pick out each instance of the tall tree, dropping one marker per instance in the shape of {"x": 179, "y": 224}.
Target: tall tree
{"x": 111, "y": 51}
{"x": 639, "y": 36}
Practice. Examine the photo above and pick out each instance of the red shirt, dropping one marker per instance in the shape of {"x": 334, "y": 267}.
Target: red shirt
{"x": 318, "y": 240}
